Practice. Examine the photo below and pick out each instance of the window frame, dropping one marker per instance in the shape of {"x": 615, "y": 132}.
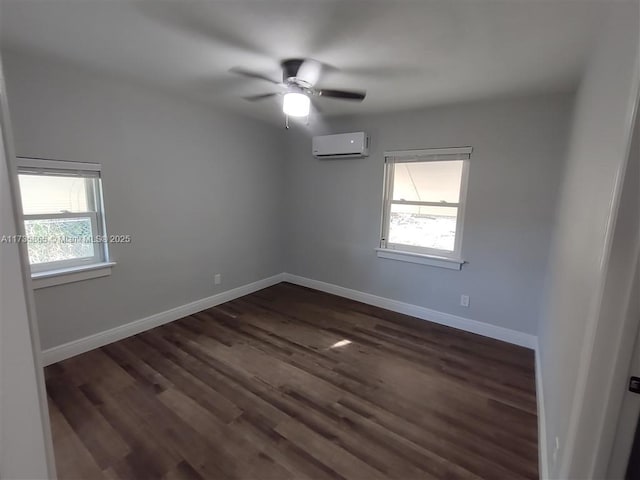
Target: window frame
{"x": 391, "y": 158}
{"x": 44, "y": 168}
{"x": 72, "y": 262}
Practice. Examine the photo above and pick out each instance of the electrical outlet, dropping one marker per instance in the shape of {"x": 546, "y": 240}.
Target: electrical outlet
{"x": 464, "y": 300}
{"x": 217, "y": 279}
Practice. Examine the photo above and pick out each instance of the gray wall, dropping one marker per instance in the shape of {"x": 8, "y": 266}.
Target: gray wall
{"x": 201, "y": 192}
{"x": 198, "y": 191}
{"x": 518, "y": 145}
{"x": 581, "y": 245}
{"x": 25, "y": 437}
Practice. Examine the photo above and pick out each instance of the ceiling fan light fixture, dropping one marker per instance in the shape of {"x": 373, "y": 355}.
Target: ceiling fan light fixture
{"x": 296, "y": 104}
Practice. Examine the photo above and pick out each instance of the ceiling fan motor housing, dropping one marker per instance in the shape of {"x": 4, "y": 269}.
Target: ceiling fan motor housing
{"x": 299, "y": 76}
{"x": 290, "y": 69}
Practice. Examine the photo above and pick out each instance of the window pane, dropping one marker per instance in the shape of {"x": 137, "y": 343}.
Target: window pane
{"x": 427, "y": 181}
{"x": 56, "y": 194}
{"x": 56, "y": 239}
{"x": 429, "y": 227}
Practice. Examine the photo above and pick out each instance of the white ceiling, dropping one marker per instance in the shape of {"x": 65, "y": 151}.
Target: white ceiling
{"x": 406, "y": 54}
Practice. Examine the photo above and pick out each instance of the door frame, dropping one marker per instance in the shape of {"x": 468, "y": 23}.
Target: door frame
{"x": 614, "y": 444}
{"x": 625, "y": 413}
{"x": 629, "y": 415}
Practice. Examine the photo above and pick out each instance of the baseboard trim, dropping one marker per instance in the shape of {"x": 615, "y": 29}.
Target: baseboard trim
{"x": 447, "y": 319}
{"x": 76, "y": 347}
{"x": 543, "y": 459}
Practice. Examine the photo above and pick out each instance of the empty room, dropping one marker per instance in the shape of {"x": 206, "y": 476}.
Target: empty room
{"x": 320, "y": 239}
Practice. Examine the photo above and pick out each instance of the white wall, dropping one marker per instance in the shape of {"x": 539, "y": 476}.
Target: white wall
{"x": 334, "y": 207}
{"x": 582, "y": 240}
{"x": 25, "y": 442}
{"x": 198, "y": 191}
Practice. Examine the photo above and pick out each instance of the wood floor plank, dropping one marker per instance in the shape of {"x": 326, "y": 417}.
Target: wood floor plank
{"x": 341, "y": 324}
{"x": 183, "y": 471}
{"x": 260, "y": 431}
{"x": 105, "y": 444}
{"x": 265, "y": 367}
{"x": 73, "y": 460}
{"x": 244, "y": 459}
{"x": 472, "y": 423}
{"x": 143, "y": 442}
{"x": 292, "y": 383}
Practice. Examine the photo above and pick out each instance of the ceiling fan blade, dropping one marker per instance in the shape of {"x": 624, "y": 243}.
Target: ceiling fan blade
{"x": 262, "y": 96}
{"x": 343, "y": 94}
{"x": 315, "y": 107}
{"x": 250, "y": 74}
{"x": 310, "y": 71}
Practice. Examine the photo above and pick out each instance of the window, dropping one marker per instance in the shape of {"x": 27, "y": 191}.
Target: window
{"x": 424, "y": 199}
{"x": 63, "y": 215}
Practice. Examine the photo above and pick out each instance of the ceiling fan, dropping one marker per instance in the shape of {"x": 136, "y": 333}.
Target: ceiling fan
{"x": 298, "y": 85}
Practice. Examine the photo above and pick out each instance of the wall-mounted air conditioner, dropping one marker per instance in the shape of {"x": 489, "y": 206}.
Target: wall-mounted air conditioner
{"x": 343, "y": 145}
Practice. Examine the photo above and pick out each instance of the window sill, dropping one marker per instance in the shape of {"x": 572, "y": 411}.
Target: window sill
{"x": 51, "y": 278}
{"x": 432, "y": 260}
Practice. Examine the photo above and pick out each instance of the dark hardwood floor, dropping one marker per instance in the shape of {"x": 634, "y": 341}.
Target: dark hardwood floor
{"x": 292, "y": 383}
